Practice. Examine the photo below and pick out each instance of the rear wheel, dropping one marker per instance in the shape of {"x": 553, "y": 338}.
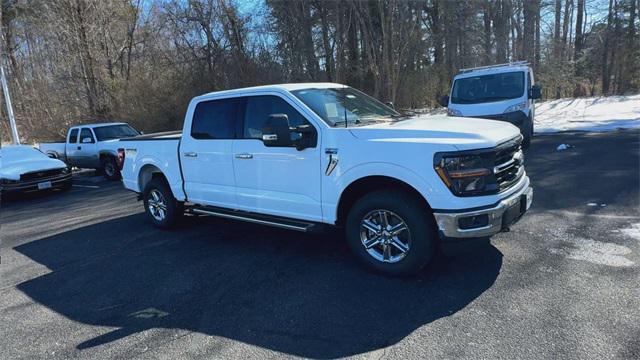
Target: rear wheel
{"x": 161, "y": 207}
{"x": 109, "y": 168}
{"x": 391, "y": 232}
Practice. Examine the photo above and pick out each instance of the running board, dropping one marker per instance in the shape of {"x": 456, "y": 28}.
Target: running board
{"x": 269, "y": 220}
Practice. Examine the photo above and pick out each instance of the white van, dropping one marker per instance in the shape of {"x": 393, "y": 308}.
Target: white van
{"x": 503, "y": 92}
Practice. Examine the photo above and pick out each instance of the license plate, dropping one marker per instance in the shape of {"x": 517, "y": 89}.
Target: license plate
{"x": 44, "y": 185}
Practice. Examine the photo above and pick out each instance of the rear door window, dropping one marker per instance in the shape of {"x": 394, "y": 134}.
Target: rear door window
{"x": 215, "y": 119}
{"x": 73, "y": 136}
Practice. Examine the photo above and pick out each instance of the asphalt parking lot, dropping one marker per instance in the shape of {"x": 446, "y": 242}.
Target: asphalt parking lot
{"x": 84, "y": 275}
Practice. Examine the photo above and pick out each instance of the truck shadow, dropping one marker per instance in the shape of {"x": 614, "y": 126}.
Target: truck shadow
{"x": 296, "y": 294}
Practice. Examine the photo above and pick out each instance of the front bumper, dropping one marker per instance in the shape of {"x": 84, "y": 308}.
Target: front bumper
{"x": 32, "y": 185}
{"x": 498, "y": 217}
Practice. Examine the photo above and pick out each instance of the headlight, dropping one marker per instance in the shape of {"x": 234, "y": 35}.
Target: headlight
{"x": 517, "y": 107}
{"x": 453, "y": 112}
{"x": 466, "y": 174}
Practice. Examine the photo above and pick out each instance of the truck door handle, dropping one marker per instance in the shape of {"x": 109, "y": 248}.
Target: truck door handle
{"x": 191, "y": 154}
{"x": 79, "y": 147}
{"x": 244, "y": 156}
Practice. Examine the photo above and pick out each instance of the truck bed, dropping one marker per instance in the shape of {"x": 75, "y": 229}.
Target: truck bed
{"x": 167, "y": 135}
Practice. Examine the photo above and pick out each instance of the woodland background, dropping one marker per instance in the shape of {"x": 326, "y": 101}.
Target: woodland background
{"x": 74, "y": 61}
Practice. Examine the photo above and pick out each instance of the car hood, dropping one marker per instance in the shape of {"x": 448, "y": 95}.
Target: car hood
{"x": 463, "y": 133}
{"x": 13, "y": 170}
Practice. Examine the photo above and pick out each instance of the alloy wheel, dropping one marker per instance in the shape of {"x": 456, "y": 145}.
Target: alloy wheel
{"x": 385, "y": 236}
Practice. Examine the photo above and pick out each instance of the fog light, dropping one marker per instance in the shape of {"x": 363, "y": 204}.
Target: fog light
{"x": 472, "y": 222}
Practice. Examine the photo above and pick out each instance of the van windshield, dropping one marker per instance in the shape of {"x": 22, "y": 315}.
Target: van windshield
{"x": 345, "y": 106}
{"x": 488, "y": 88}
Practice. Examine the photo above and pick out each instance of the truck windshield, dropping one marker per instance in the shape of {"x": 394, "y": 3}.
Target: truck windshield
{"x": 345, "y": 106}
{"x": 115, "y": 132}
{"x": 488, "y": 88}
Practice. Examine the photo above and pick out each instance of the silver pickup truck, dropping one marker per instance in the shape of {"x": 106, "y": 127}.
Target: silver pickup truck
{"x": 92, "y": 146}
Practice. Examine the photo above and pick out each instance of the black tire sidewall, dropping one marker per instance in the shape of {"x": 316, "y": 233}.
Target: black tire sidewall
{"x": 110, "y": 161}
{"x": 174, "y": 208}
{"x": 416, "y": 216}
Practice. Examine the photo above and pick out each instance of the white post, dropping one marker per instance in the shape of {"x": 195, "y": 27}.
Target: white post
{"x": 7, "y": 101}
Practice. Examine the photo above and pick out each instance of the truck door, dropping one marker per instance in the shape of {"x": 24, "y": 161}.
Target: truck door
{"x": 86, "y": 149}
{"x": 275, "y": 180}
{"x": 71, "y": 147}
{"x": 205, "y": 153}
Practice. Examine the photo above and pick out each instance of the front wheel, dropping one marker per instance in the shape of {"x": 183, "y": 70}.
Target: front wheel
{"x": 391, "y": 232}
{"x": 161, "y": 207}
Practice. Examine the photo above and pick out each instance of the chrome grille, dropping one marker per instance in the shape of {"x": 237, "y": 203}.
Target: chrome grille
{"x": 508, "y": 168}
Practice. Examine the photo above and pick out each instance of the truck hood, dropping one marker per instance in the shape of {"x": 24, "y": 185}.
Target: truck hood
{"x": 13, "y": 170}
{"x": 463, "y": 133}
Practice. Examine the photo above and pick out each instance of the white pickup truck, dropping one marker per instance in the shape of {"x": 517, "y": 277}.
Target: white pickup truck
{"x": 300, "y": 156}
{"x": 91, "y": 146}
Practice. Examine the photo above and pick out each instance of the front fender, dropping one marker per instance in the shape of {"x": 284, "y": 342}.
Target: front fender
{"x": 331, "y": 198}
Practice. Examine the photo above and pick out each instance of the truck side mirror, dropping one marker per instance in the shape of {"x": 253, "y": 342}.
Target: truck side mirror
{"x": 444, "y": 101}
{"x": 535, "y": 92}
{"x": 276, "y": 132}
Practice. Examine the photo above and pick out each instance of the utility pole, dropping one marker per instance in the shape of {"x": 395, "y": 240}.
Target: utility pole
{"x": 7, "y": 101}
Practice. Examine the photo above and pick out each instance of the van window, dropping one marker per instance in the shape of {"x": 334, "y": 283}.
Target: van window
{"x": 215, "y": 119}
{"x": 259, "y": 108}
{"x": 73, "y": 136}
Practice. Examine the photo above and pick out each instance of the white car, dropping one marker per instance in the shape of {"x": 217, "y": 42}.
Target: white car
{"x": 26, "y": 169}
{"x": 91, "y": 146}
{"x": 504, "y": 92}
{"x": 300, "y": 156}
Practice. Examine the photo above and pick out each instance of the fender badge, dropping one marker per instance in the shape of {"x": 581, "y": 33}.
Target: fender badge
{"x": 333, "y": 162}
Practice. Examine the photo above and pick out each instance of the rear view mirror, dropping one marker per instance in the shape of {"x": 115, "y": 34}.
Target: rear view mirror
{"x": 275, "y": 132}
{"x": 535, "y": 92}
{"x": 444, "y": 101}
{"x": 390, "y": 104}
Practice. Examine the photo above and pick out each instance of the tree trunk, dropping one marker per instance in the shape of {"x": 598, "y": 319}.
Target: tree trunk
{"x": 579, "y": 41}
{"x": 606, "y": 76}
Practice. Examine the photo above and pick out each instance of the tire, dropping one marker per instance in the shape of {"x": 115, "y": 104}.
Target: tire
{"x": 419, "y": 239}
{"x": 161, "y": 207}
{"x": 109, "y": 168}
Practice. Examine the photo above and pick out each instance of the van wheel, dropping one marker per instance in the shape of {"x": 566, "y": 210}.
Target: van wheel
{"x": 109, "y": 168}
{"x": 391, "y": 232}
{"x": 161, "y": 207}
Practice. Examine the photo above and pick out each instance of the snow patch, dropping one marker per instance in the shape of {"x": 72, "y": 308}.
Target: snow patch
{"x": 633, "y": 231}
{"x": 588, "y": 114}
{"x": 596, "y": 252}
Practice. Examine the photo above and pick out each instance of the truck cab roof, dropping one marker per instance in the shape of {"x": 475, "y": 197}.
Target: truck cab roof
{"x": 97, "y": 125}
{"x": 275, "y": 87}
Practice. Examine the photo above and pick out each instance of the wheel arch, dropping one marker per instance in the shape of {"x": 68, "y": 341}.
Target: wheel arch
{"x": 105, "y": 153}
{"x": 364, "y": 185}
{"x": 147, "y": 173}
